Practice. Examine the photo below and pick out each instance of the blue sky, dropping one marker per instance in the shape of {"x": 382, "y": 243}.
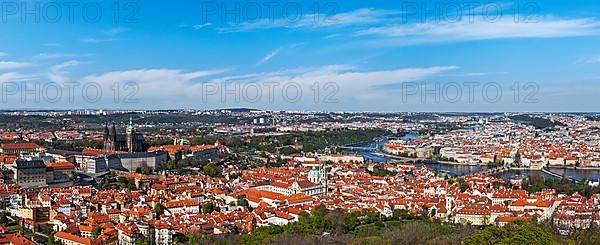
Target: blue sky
{"x": 364, "y": 55}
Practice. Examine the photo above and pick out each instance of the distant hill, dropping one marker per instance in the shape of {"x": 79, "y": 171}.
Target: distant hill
{"x": 537, "y": 122}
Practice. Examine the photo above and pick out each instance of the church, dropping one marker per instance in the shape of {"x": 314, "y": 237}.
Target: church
{"x": 129, "y": 142}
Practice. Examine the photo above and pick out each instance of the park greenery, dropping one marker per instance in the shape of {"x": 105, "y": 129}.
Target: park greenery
{"x": 367, "y": 227}
{"x": 340, "y": 227}
{"x": 310, "y": 141}
{"x": 537, "y": 122}
{"x": 378, "y": 170}
{"x": 513, "y": 233}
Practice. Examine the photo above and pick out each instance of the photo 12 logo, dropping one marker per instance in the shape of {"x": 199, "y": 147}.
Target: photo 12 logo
{"x": 270, "y": 92}
{"x": 452, "y": 12}
{"x": 54, "y": 12}
{"x": 68, "y": 92}
{"x": 251, "y": 12}
{"x": 471, "y": 92}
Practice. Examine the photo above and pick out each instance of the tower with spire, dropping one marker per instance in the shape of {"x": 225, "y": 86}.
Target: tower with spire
{"x": 129, "y": 134}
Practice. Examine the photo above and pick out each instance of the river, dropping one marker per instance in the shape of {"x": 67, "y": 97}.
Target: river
{"x": 460, "y": 170}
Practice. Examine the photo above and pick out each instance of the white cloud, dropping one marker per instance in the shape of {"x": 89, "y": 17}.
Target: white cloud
{"x": 408, "y": 34}
{"x": 5, "y": 65}
{"x": 58, "y": 78}
{"x": 155, "y": 83}
{"x": 270, "y": 56}
{"x": 350, "y": 81}
{"x": 159, "y": 88}
{"x": 58, "y": 73}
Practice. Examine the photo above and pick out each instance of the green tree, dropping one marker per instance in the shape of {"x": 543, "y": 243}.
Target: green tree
{"x": 141, "y": 241}
{"x": 208, "y": 207}
{"x": 52, "y": 241}
{"x": 490, "y": 235}
{"x": 212, "y": 170}
{"x": 528, "y": 234}
{"x": 513, "y": 233}
{"x": 3, "y": 219}
{"x": 96, "y": 231}
{"x": 194, "y": 239}
{"x": 122, "y": 180}
{"x": 170, "y": 165}
{"x": 159, "y": 209}
{"x": 243, "y": 202}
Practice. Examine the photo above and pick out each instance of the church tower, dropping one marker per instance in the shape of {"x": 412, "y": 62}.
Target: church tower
{"x": 130, "y": 134}
{"x": 106, "y": 137}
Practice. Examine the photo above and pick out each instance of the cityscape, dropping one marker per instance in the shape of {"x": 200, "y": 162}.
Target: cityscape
{"x": 233, "y": 175}
{"x": 371, "y": 122}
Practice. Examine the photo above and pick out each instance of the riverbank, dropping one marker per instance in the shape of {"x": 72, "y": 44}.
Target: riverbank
{"x": 426, "y": 159}
{"x": 372, "y": 152}
{"x": 479, "y": 164}
{"x": 573, "y": 168}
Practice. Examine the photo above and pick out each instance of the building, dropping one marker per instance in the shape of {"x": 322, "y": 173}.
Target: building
{"x": 186, "y": 206}
{"x": 70, "y": 239}
{"x": 473, "y": 216}
{"x": 14, "y": 238}
{"x": 29, "y": 173}
{"x": 92, "y": 164}
{"x": 131, "y": 162}
{"x": 18, "y": 148}
{"x": 178, "y": 152}
{"x": 59, "y": 172}
{"x": 129, "y": 142}
{"x": 296, "y": 187}
{"x": 342, "y": 158}
{"x": 162, "y": 233}
{"x": 204, "y": 151}
{"x": 127, "y": 233}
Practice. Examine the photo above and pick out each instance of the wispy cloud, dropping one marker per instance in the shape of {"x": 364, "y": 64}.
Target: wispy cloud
{"x": 107, "y": 36}
{"x": 270, "y": 55}
{"x": 97, "y": 40}
{"x": 62, "y": 66}
{"x": 349, "y": 78}
{"x": 7, "y": 65}
{"x": 423, "y": 33}
{"x": 2, "y": 54}
{"x": 53, "y": 44}
{"x": 115, "y": 31}
{"x": 59, "y": 55}
{"x": 200, "y": 26}
{"x": 589, "y": 60}
{"x": 58, "y": 73}
{"x": 359, "y": 17}
{"x": 15, "y": 77}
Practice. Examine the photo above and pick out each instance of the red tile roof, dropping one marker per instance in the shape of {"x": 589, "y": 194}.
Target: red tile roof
{"x": 73, "y": 238}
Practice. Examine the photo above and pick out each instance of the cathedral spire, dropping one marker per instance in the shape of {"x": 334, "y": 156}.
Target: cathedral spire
{"x": 130, "y": 127}
{"x": 105, "y": 130}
